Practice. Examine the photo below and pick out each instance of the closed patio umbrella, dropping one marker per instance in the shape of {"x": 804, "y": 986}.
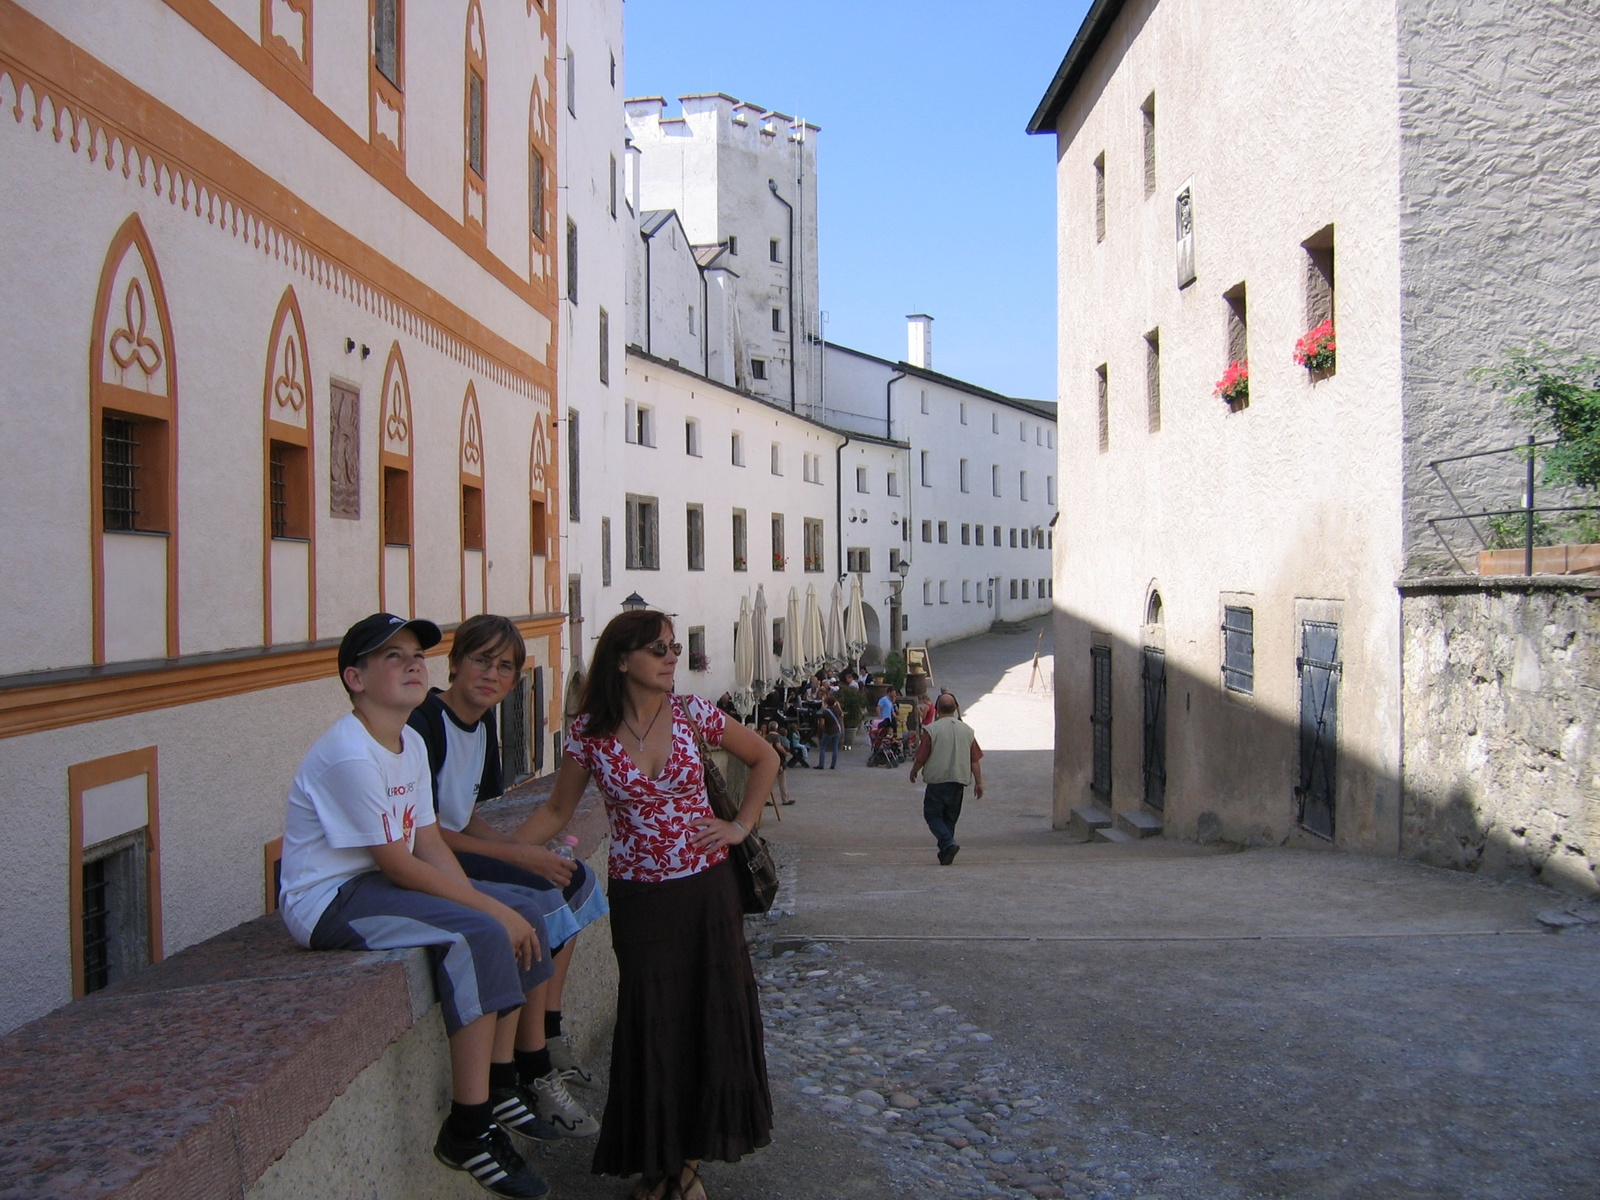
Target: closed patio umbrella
{"x": 811, "y": 649}
{"x": 833, "y": 631}
{"x": 855, "y": 624}
{"x": 789, "y": 665}
{"x": 761, "y": 645}
{"x": 744, "y": 660}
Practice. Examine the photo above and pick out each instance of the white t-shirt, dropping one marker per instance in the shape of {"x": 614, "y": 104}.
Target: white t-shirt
{"x": 349, "y": 793}
{"x": 462, "y": 773}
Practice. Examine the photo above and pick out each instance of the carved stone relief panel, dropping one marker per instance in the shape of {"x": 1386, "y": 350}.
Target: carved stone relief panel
{"x": 344, "y": 453}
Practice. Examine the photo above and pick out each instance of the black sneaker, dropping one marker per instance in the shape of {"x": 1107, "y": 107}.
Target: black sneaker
{"x": 513, "y": 1110}
{"x": 492, "y": 1162}
{"x": 948, "y": 854}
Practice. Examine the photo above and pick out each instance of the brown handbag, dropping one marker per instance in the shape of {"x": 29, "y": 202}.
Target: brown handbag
{"x": 752, "y": 860}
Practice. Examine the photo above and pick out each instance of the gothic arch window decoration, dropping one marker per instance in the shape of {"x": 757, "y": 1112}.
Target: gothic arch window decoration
{"x": 474, "y": 541}
{"x": 288, "y": 556}
{"x": 542, "y": 569}
{"x": 397, "y": 564}
{"x": 386, "y": 77}
{"x": 133, "y": 449}
{"x": 286, "y": 34}
{"x": 475, "y": 119}
{"x": 1154, "y": 609}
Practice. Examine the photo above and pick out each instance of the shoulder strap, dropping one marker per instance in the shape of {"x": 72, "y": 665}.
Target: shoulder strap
{"x": 428, "y": 720}
{"x": 490, "y": 784}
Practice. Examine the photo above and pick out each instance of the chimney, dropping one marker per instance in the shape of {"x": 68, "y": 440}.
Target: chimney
{"x": 919, "y": 340}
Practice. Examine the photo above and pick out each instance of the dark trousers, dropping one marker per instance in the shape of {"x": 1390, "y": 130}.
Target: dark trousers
{"x": 941, "y": 809}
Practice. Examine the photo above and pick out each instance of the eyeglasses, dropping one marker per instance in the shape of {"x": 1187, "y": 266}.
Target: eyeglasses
{"x": 662, "y": 649}
{"x": 489, "y": 666}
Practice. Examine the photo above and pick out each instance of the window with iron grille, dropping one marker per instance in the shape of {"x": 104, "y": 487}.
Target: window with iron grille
{"x": 1238, "y": 649}
{"x": 396, "y": 506}
{"x": 471, "y": 517}
{"x": 116, "y": 921}
{"x": 642, "y": 548}
{"x": 119, "y": 491}
{"x": 1100, "y": 719}
{"x": 288, "y": 489}
{"x": 513, "y": 730}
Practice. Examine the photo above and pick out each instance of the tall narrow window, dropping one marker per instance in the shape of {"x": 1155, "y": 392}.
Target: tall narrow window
{"x": 780, "y": 559}
{"x": 963, "y": 476}
{"x": 642, "y": 531}
{"x": 538, "y": 530}
{"x": 1238, "y": 325}
{"x": 697, "y": 649}
{"x": 1022, "y": 485}
{"x": 476, "y": 191}
{"x": 741, "y": 541}
{"x": 861, "y": 479}
{"x": 777, "y": 320}
{"x": 114, "y": 868}
{"x": 572, "y": 262}
{"x": 1147, "y": 115}
{"x": 288, "y": 565}
{"x": 572, "y": 83}
{"x": 1319, "y": 286}
{"x": 1100, "y": 719}
{"x": 691, "y": 437}
{"x": 775, "y": 250}
{"x": 572, "y": 464}
{"x": 605, "y": 347}
{"x": 944, "y": 532}
{"x": 612, "y": 202}
{"x": 1152, "y": 380}
{"x": 777, "y": 459}
{"x": 605, "y": 551}
{"x": 1102, "y": 407}
{"x": 812, "y": 538}
{"x": 994, "y": 481}
{"x": 1100, "y": 198}
{"x": 966, "y": 534}
{"x": 737, "y": 449}
{"x": 397, "y": 563}
{"x": 386, "y": 102}
{"x": 474, "y": 536}
{"x": 695, "y": 530}
{"x": 892, "y": 483}
{"x": 927, "y": 470}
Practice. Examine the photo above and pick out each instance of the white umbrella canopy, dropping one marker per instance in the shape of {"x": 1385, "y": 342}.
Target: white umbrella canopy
{"x": 811, "y": 649}
{"x": 761, "y": 644}
{"x": 833, "y": 633}
{"x": 789, "y": 665}
{"x": 744, "y": 659}
{"x": 855, "y": 624}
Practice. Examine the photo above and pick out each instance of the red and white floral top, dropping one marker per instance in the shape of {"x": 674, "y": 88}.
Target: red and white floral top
{"x": 652, "y": 819}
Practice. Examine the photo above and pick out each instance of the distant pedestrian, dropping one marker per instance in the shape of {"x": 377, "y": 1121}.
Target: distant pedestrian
{"x": 948, "y": 757}
{"x": 830, "y": 723}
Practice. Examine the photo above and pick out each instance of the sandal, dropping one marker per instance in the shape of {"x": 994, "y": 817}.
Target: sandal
{"x": 650, "y": 1188}
{"x": 690, "y": 1188}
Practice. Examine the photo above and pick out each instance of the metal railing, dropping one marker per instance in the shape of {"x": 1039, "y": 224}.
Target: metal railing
{"x": 1529, "y": 509}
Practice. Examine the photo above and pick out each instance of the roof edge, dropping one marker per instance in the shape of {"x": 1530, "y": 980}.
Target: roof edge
{"x": 1091, "y": 35}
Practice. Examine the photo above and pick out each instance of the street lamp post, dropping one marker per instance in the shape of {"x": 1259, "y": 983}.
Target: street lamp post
{"x": 902, "y": 569}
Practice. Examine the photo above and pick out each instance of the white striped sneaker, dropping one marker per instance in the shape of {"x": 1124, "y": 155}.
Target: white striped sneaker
{"x": 514, "y": 1111}
{"x": 556, "y": 1105}
{"x": 564, "y": 1056}
{"x": 493, "y": 1163}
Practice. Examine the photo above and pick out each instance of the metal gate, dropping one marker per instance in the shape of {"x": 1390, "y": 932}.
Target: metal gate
{"x": 514, "y": 732}
{"x": 1100, "y": 720}
{"x": 1154, "y": 676}
{"x": 1319, "y": 725}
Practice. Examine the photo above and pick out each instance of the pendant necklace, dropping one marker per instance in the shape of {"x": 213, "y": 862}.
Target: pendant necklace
{"x": 647, "y": 728}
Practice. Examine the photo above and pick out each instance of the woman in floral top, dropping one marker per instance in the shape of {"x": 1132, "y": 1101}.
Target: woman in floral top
{"x": 688, "y": 1067}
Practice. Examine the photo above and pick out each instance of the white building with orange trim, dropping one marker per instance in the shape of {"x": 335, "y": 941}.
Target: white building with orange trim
{"x": 279, "y": 343}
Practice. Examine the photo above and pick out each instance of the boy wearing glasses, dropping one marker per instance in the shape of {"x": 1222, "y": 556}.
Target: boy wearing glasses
{"x": 364, "y": 868}
{"x": 458, "y": 727}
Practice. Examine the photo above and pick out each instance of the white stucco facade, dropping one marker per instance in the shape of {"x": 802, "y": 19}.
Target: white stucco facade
{"x": 1320, "y": 185}
{"x": 296, "y": 373}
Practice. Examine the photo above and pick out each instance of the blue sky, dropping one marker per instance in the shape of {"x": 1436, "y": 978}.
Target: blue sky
{"x": 931, "y": 197}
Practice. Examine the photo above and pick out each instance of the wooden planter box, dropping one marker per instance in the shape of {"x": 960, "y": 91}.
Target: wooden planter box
{"x": 1547, "y": 560}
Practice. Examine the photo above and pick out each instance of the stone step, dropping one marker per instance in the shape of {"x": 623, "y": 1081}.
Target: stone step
{"x": 1112, "y": 834}
{"x": 1085, "y": 820}
{"x": 1139, "y": 824}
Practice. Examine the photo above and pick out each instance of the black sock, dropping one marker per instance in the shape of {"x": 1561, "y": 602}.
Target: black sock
{"x": 468, "y": 1120}
{"x": 533, "y": 1064}
{"x": 502, "y": 1075}
{"x": 552, "y": 1022}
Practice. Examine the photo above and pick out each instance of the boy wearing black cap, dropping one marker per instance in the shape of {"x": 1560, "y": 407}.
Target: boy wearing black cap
{"x": 364, "y": 868}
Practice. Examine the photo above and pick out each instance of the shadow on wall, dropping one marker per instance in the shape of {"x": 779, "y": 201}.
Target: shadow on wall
{"x": 1496, "y": 779}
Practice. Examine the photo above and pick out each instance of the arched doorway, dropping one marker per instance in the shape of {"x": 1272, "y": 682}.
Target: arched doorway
{"x": 874, "y": 652}
{"x": 1153, "y": 688}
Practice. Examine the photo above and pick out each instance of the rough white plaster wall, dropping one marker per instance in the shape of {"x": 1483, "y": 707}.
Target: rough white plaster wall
{"x": 1296, "y": 495}
{"x": 1499, "y": 243}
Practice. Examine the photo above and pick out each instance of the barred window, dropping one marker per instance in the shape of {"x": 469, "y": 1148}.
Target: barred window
{"x": 1238, "y": 649}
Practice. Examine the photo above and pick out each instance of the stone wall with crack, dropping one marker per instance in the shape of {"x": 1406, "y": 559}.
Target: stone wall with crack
{"x": 1501, "y": 700}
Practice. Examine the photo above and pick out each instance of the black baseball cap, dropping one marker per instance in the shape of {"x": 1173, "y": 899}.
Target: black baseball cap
{"x": 369, "y": 633}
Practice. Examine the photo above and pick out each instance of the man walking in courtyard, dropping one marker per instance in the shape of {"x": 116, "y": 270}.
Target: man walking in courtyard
{"x": 948, "y": 757}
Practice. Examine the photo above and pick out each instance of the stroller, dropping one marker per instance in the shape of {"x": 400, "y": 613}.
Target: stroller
{"x": 886, "y": 747}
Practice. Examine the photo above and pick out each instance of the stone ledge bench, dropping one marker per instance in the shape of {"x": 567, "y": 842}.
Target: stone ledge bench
{"x": 245, "y": 1066}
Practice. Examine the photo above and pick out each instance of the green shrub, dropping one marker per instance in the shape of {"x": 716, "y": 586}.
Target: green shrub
{"x": 1561, "y": 392}
{"x": 894, "y": 671}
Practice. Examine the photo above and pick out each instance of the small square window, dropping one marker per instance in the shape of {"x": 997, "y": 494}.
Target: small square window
{"x": 758, "y": 368}
{"x": 777, "y": 320}
{"x": 775, "y": 250}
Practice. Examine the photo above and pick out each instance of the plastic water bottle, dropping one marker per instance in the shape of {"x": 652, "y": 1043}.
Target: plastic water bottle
{"x": 565, "y": 847}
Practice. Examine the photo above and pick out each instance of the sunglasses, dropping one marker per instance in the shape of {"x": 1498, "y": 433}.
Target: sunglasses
{"x": 662, "y": 649}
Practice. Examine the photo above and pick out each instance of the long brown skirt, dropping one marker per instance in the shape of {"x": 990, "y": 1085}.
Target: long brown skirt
{"x": 688, "y": 1064}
